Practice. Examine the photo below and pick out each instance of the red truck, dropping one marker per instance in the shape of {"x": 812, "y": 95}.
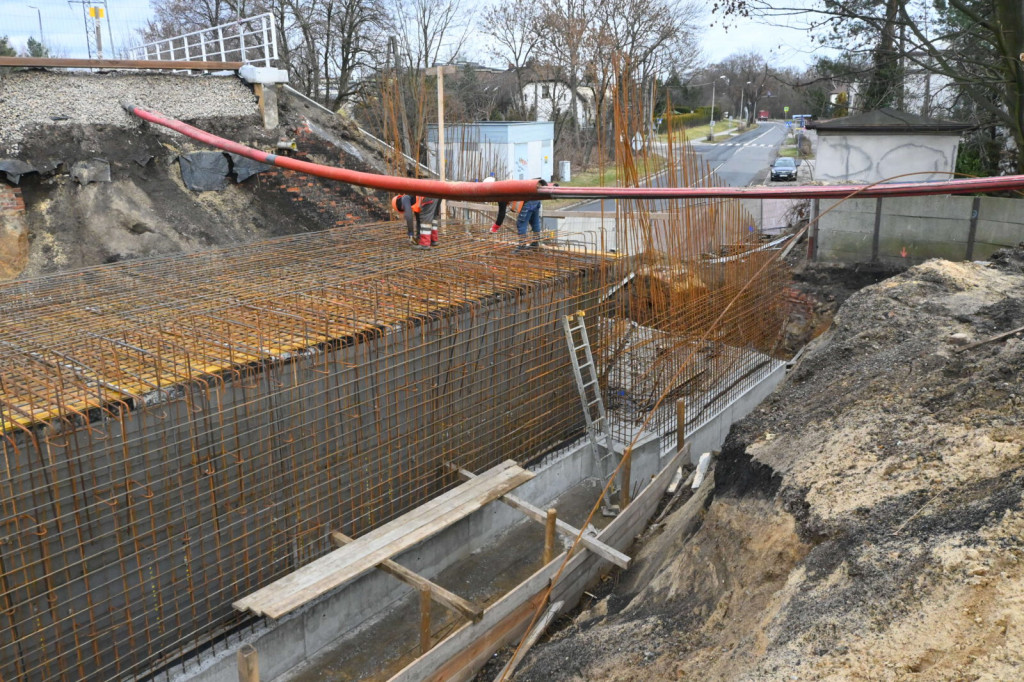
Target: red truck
{"x": 762, "y": 115}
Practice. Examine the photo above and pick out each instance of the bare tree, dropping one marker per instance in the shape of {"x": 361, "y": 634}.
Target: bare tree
{"x": 517, "y": 30}
{"x": 427, "y": 33}
{"x": 974, "y": 44}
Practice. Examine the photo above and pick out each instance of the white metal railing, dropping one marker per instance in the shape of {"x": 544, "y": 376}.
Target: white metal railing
{"x": 252, "y": 40}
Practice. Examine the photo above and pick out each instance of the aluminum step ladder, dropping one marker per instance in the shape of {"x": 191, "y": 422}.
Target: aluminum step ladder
{"x": 590, "y": 393}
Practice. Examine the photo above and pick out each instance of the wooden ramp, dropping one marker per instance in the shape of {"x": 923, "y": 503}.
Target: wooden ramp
{"x": 365, "y": 553}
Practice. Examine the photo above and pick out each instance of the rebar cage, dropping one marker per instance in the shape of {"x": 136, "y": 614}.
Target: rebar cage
{"x": 181, "y": 431}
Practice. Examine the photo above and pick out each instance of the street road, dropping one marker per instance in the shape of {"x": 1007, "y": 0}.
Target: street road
{"x": 739, "y": 162}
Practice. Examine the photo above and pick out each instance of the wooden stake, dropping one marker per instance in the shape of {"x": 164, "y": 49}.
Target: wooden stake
{"x": 680, "y": 424}
{"x": 248, "y": 664}
{"x": 424, "y": 621}
{"x": 627, "y": 459}
{"x": 530, "y": 640}
{"x": 549, "y": 535}
{"x": 442, "y": 161}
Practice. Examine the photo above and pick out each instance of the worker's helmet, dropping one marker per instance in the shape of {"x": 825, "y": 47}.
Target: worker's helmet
{"x": 396, "y": 203}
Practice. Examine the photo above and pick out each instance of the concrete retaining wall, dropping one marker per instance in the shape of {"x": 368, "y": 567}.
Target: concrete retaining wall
{"x": 926, "y": 227}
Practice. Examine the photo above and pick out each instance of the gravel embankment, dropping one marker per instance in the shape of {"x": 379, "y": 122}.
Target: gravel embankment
{"x": 30, "y": 98}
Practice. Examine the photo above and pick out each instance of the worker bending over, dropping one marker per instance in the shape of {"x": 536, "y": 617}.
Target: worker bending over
{"x": 420, "y": 219}
{"x": 502, "y": 207}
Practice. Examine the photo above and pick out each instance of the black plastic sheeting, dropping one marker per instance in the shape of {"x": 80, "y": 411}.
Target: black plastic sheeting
{"x": 91, "y": 170}
{"x": 204, "y": 171}
{"x": 15, "y": 168}
{"x": 209, "y": 171}
{"x": 245, "y": 167}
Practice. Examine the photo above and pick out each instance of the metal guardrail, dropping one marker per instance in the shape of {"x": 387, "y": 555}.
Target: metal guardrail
{"x": 252, "y": 40}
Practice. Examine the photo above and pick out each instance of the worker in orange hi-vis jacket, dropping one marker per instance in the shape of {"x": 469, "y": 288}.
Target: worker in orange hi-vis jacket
{"x": 420, "y": 219}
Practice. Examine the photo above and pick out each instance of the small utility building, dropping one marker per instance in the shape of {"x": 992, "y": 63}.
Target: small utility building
{"x": 884, "y": 143}
{"x": 512, "y": 150}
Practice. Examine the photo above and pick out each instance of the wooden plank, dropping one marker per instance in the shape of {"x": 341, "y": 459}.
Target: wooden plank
{"x": 458, "y": 656}
{"x": 388, "y": 532}
{"x": 424, "y": 620}
{"x": 50, "y": 62}
{"x": 340, "y": 566}
{"x": 441, "y": 595}
{"x": 530, "y": 640}
{"x": 343, "y": 565}
{"x": 464, "y": 665}
{"x": 537, "y": 514}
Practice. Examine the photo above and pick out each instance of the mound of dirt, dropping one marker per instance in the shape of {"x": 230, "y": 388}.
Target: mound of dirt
{"x": 866, "y": 520}
{"x": 142, "y": 207}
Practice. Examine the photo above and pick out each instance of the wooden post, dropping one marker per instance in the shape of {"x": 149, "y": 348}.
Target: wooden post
{"x": 878, "y": 229}
{"x": 680, "y": 424}
{"x": 627, "y": 458}
{"x": 424, "y": 621}
{"x": 248, "y": 664}
{"x": 549, "y": 536}
{"x": 973, "y": 231}
{"x": 441, "y": 160}
{"x": 812, "y": 239}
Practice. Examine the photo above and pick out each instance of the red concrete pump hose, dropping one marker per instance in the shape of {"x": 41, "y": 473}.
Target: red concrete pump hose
{"x": 531, "y": 189}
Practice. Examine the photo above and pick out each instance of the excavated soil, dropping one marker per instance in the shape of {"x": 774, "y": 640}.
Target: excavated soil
{"x": 866, "y": 521}
{"x": 146, "y": 209}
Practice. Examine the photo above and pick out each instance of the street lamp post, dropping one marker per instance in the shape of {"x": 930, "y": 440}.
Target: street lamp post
{"x": 39, "y": 15}
{"x": 713, "y": 84}
{"x": 743, "y": 112}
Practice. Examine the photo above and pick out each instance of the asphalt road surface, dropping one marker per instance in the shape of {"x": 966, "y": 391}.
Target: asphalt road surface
{"x": 741, "y": 161}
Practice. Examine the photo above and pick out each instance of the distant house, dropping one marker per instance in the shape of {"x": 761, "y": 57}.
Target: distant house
{"x": 512, "y": 150}
{"x": 884, "y": 143}
{"x": 549, "y": 98}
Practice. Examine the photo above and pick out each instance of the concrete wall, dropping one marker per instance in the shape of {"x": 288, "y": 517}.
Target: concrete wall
{"x": 927, "y": 227}
{"x": 860, "y": 157}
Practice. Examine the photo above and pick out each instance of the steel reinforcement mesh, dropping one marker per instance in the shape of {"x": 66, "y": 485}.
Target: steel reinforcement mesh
{"x": 181, "y": 431}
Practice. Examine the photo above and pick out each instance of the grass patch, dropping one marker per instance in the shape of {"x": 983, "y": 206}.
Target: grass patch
{"x": 595, "y": 177}
{"x": 700, "y": 133}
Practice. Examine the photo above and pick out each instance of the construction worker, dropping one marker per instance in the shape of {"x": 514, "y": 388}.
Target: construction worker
{"x": 420, "y": 219}
{"x": 529, "y": 215}
{"x": 502, "y": 207}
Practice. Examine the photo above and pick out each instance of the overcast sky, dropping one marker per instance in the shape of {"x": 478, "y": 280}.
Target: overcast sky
{"x": 64, "y": 30}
